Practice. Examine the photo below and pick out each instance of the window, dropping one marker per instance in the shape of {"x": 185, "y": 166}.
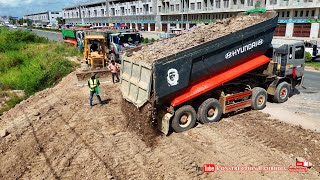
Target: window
{"x": 95, "y": 13}
{"x": 241, "y": 1}
{"x": 271, "y": 2}
{"x": 307, "y": 13}
{"x": 77, "y": 13}
{"x": 192, "y": 6}
{"x": 290, "y": 53}
{"x": 159, "y": 8}
{"x": 226, "y": 3}
{"x": 288, "y": 13}
{"x": 312, "y": 13}
{"x": 295, "y": 13}
{"x": 102, "y": 12}
{"x": 282, "y": 14}
{"x": 217, "y": 3}
{"x": 150, "y": 9}
{"x": 301, "y": 13}
{"x": 171, "y": 8}
{"x": 299, "y": 52}
{"x": 177, "y": 7}
{"x": 198, "y": 5}
{"x": 137, "y": 10}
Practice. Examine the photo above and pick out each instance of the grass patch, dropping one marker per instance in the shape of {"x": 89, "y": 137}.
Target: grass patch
{"x": 31, "y": 63}
{"x": 315, "y": 65}
{"x": 11, "y": 103}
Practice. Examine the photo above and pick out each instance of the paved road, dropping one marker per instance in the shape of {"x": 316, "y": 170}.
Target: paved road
{"x": 54, "y": 36}
{"x": 303, "y": 107}
{"x": 311, "y": 82}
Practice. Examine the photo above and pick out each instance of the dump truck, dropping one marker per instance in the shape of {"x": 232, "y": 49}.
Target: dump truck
{"x": 74, "y": 37}
{"x": 118, "y": 41}
{"x": 232, "y": 72}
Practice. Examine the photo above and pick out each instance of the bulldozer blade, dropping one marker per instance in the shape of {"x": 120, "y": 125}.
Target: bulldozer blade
{"x": 83, "y": 76}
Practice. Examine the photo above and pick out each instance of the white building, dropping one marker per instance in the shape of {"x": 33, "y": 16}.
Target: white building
{"x": 44, "y": 18}
{"x": 134, "y": 14}
{"x": 297, "y": 18}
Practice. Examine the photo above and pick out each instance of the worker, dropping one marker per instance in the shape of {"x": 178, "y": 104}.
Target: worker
{"x": 114, "y": 68}
{"x": 94, "y": 84}
{"x": 94, "y": 47}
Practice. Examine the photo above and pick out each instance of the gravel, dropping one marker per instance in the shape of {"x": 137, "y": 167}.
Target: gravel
{"x": 197, "y": 36}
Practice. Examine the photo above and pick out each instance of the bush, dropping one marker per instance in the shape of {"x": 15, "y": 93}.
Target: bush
{"x": 152, "y": 40}
{"x": 307, "y": 57}
{"x": 146, "y": 40}
{"x": 31, "y": 63}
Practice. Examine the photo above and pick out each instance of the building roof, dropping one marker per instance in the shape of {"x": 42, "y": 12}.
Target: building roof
{"x": 94, "y": 37}
{"x": 276, "y": 43}
{"x": 84, "y": 4}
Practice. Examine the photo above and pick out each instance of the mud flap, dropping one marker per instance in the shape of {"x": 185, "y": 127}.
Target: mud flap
{"x": 301, "y": 83}
{"x": 164, "y": 122}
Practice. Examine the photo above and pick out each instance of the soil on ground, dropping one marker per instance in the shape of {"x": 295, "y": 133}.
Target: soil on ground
{"x": 55, "y": 135}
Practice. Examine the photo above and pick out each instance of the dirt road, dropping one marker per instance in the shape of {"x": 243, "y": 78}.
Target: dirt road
{"x": 54, "y": 135}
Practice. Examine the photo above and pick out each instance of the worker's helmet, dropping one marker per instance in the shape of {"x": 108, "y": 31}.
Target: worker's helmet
{"x": 93, "y": 74}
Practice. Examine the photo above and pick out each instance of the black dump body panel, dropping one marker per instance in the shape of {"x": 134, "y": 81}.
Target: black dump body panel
{"x": 176, "y": 72}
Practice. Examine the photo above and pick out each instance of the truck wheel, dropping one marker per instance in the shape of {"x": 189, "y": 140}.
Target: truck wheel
{"x": 258, "y": 98}
{"x": 184, "y": 119}
{"x": 282, "y": 93}
{"x": 209, "y": 111}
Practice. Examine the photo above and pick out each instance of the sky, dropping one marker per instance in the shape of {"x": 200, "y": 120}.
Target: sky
{"x": 18, "y": 8}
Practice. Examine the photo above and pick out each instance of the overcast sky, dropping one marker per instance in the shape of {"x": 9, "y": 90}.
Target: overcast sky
{"x": 22, "y": 7}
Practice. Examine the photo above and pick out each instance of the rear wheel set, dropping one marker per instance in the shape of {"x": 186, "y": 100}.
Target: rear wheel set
{"x": 185, "y": 117}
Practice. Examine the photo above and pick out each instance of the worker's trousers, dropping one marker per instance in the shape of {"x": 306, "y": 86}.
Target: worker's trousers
{"x": 91, "y": 96}
{"x": 115, "y": 75}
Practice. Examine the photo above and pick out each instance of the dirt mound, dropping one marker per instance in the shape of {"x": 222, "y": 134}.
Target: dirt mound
{"x": 287, "y": 138}
{"x": 55, "y": 135}
{"x": 198, "y": 35}
{"x": 141, "y": 121}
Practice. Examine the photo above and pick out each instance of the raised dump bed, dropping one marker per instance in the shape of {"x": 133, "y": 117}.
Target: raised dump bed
{"x": 168, "y": 77}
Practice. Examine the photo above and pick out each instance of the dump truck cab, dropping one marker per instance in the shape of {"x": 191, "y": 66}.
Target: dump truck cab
{"x": 95, "y": 51}
{"x": 122, "y": 41}
{"x": 289, "y": 55}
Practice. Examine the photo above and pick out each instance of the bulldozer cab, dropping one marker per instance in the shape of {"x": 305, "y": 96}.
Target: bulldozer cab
{"x": 95, "y": 54}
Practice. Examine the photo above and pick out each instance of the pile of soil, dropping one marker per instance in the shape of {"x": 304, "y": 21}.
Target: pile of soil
{"x": 197, "y": 36}
{"x": 141, "y": 121}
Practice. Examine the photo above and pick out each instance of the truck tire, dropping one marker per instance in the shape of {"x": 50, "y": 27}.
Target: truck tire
{"x": 258, "y": 98}
{"x": 209, "y": 111}
{"x": 282, "y": 93}
{"x": 184, "y": 119}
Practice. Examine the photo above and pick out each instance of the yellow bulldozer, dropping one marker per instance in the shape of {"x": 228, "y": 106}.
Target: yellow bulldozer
{"x": 95, "y": 54}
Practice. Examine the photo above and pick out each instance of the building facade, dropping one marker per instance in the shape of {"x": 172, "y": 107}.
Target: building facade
{"x": 44, "y": 18}
{"x": 297, "y": 18}
{"x": 134, "y": 14}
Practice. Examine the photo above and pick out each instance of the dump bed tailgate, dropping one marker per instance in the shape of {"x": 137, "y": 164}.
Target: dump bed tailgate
{"x": 136, "y": 81}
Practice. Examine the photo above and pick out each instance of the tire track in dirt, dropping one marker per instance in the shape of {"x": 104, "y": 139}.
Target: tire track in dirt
{"x": 292, "y": 140}
{"x": 93, "y": 143}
